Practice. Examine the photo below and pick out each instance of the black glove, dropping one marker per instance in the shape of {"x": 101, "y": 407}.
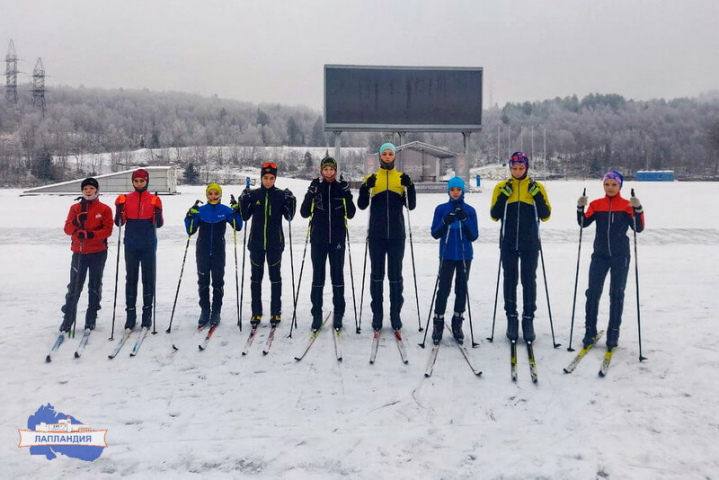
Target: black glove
{"x": 449, "y": 218}
{"x": 405, "y": 180}
{"x": 461, "y": 214}
{"x": 245, "y": 196}
{"x": 344, "y": 185}
{"x": 79, "y": 220}
{"x": 371, "y": 181}
{"x": 288, "y": 194}
{"x": 192, "y": 212}
{"x": 83, "y": 234}
{"x": 314, "y": 186}
{"x": 507, "y": 189}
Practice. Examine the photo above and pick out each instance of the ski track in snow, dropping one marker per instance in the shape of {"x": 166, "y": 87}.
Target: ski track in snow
{"x": 217, "y": 414}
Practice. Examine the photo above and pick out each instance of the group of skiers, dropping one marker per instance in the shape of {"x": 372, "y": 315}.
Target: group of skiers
{"x": 520, "y": 203}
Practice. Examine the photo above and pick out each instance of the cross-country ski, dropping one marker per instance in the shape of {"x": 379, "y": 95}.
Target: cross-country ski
{"x": 83, "y": 343}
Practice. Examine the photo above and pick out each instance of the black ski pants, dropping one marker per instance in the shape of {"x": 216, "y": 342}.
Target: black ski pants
{"x": 528, "y": 275}
{"x": 618, "y": 268}
{"x": 389, "y": 252}
{"x": 446, "y": 272}
{"x": 136, "y": 259}
{"x": 274, "y": 267}
{"x": 211, "y": 270}
{"x": 82, "y": 263}
{"x": 335, "y": 252}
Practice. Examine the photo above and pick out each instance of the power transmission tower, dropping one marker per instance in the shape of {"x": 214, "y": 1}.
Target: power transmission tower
{"x": 11, "y": 74}
{"x": 38, "y": 86}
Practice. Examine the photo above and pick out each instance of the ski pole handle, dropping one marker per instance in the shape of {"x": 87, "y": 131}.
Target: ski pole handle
{"x": 247, "y": 182}
{"x": 632, "y": 192}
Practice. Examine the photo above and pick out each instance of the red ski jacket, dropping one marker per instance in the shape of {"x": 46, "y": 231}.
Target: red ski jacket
{"x": 93, "y": 219}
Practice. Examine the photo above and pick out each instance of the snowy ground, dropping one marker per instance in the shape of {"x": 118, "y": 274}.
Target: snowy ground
{"x": 216, "y": 414}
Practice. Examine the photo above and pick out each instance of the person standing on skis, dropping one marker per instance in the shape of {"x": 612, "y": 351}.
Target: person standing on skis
{"x": 328, "y": 203}
{"x": 386, "y": 192}
{"x": 455, "y": 225}
{"x": 267, "y": 205}
{"x": 613, "y": 215}
{"x": 141, "y": 213}
{"x": 211, "y": 221}
{"x": 520, "y": 203}
{"x": 89, "y": 224}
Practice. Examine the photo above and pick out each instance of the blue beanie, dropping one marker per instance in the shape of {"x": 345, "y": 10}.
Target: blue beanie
{"x": 387, "y": 146}
{"x": 616, "y": 176}
{"x": 455, "y": 182}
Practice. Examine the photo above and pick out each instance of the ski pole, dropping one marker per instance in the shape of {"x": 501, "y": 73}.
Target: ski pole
{"x": 436, "y": 283}
{"x": 182, "y": 269}
{"x": 636, "y": 276}
{"x": 352, "y": 278}
{"x": 499, "y": 271}
{"x": 576, "y": 276}
{"x": 154, "y": 280}
{"x": 466, "y": 289}
{"x": 76, "y": 289}
{"x": 244, "y": 255}
{"x": 293, "y": 323}
{"x": 364, "y": 272}
{"x": 544, "y": 274}
{"x": 117, "y": 273}
{"x": 414, "y": 270}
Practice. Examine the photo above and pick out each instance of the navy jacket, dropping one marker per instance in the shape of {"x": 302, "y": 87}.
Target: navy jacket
{"x": 458, "y": 244}
{"x": 211, "y": 221}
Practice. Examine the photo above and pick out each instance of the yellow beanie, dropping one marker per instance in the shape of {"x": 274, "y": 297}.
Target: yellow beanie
{"x": 213, "y": 186}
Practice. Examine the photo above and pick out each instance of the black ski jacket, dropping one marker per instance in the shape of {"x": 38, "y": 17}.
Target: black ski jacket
{"x": 267, "y": 207}
{"x": 328, "y": 207}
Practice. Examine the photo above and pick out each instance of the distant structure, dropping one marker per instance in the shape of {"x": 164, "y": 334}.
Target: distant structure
{"x": 11, "y": 74}
{"x": 38, "y": 86}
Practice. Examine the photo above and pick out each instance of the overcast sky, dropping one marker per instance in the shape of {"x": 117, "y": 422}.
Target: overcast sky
{"x": 275, "y": 50}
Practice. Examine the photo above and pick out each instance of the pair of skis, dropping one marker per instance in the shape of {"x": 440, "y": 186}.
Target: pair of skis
{"x": 400, "y": 346}
{"x": 336, "y": 336}
{"x": 465, "y": 353}
{"x": 604, "y": 369}
{"x": 251, "y": 339}
{"x": 532, "y": 361}
{"x": 125, "y": 338}
{"x": 61, "y": 339}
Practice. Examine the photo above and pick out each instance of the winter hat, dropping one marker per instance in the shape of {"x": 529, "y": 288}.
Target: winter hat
{"x": 519, "y": 157}
{"x": 614, "y": 175}
{"x": 387, "y": 146}
{"x": 89, "y": 181}
{"x": 269, "y": 168}
{"x": 456, "y": 182}
{"x": 141, "y": 173}
{"x": 328, "y": 162}
{"x": 213, "y": 186}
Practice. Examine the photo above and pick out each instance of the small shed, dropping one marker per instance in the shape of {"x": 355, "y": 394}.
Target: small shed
{"x": 163, "y": 180}
{"x": 655, "y": 176}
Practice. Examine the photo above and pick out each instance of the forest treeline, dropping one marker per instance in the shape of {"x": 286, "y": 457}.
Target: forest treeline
{"x": 578, "y": 137}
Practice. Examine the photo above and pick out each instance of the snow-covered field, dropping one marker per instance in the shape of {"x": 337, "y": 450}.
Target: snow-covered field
{"x": 217, "y": 414}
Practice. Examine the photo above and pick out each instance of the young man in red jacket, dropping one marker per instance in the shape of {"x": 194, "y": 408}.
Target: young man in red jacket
{"x": 141, "y": 213}
{"x": 89, "y": 224}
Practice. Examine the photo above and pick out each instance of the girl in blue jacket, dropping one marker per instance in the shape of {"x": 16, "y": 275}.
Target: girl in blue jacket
{"x": 211, "y": 220}
{"x": 455, "y": 224}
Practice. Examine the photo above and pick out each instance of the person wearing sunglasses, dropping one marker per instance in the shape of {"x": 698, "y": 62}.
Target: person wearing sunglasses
{"x": 267, "y": 205}
{"x": 386, "y": 192}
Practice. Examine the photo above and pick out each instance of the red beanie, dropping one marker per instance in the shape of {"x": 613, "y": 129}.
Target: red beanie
{"x": 140, "y": 173}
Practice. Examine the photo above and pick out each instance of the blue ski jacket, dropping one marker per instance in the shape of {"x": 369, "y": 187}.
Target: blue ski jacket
{"x": 458, "y": 244}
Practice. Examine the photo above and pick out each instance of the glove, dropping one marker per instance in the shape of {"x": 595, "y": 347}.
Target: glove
{"x": 506, "y": 189}
{"x": 582, "y": 201}
{"x": 405, "y": 180}
{"x": 79, "y": 220}
{"x": 245, "y": 196}
{"x": 288, "y": 194}
{"x": 344, "y": 185}
{"x": 635, "y": 203}
{"x": 371, "y": 181}
{"x": 120, "y": 200}
{"x": 83, "y": 234}
{"x": 533, "y": 188}
{"x": 193, "y": 211}
{"x": 449, "y": 218}
{"x": 314, "y": 186}
{"x": 234, "y": 205}
{"x": 461, "y": 214}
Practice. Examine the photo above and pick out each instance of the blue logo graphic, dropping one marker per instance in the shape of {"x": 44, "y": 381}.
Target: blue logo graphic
{"x": 51, "y": 433}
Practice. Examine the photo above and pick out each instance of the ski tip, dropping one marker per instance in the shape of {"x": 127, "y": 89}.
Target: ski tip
{"x": 479, "y": 374}
{"x": 298, "y": 359}
{"x": 426, "y": 375}
{"x": 339, "y": 359}
{"x": 566, "y": 371}
{"x": 200, "y": 347}
{"x": 264, "y": 352}
{"x": 405, "y": 361}
{"x": 48, "y": 359}
{"x": 174, "y": 348}
{"x": 77, "y": 355}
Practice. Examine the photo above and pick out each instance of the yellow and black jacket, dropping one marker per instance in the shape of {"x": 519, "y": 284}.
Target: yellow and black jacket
{"x": 520, "y": 230}
{"x": 388, "y": 197}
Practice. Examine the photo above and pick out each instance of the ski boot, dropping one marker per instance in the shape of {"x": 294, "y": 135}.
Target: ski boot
{"x": 275, "y": 320}
{"x": 512, "y": 327}
{"x": 457, "y": 320}
{"x": 215, "y": 318}
{"x": 204, "y": 318}
{"x": 255, "y": 321}
{"x": 589, "y": 335}
{"x": 528, "y": 329}
{"x": 337, "y": 322}
{"x": 437, "y": 328}
{"x": 316, "y": 323}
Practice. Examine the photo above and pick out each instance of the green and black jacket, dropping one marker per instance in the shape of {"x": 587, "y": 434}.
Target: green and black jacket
{"x": 266, "y": 207}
